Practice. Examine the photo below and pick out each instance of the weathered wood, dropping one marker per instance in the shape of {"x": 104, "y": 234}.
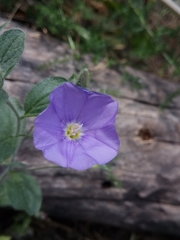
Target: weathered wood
{"x": 148, "y": 163}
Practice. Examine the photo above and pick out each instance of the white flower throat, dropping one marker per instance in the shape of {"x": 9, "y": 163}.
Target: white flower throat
{"x": 73, "y": 131}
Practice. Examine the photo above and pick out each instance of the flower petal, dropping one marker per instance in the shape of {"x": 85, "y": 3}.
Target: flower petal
{"x": 81, "y": 160}
{"x": 44, "y": 139}
{"x": 49, "y": 120}
{"x": 98, "y": 111}
{"x": 101, "y": 144}
{"x": 54, "y": 154}
{"x": 48, "y": 129}
{"x": 68, "y": 101}
{"x": 69, "y": 154}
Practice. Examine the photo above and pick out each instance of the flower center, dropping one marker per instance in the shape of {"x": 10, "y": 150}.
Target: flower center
{"x": 73, "y": 131}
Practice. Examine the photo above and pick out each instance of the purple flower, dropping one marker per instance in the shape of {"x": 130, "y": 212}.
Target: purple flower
{"x": 77, "y": 129}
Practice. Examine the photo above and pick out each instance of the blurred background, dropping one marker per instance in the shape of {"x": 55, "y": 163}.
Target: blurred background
{"x": 143, "y": 33}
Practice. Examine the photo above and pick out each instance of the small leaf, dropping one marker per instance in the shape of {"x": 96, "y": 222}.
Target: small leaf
{"x": 37, "y": 99}
{"x": 3, "y": 97}
{"x": 73, "y": 78}
{"x": 83, "y": 78}
{"x": 2, "y": 26}
{"x": 82, "y": 32}
{"x": 11, "y": 48}
{"x": 23, "y": 192}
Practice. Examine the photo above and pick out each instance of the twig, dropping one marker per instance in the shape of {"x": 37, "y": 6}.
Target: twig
{"x": 14, "y": 11}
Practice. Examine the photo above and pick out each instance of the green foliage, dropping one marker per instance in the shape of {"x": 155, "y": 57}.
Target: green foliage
{"x": 134, "y": 32}
{"x": 21, "y": 123}
{"x": 2, "y": 26}
{"x": 117, "y": 29}
{"x": 83, "y": 78}
{"x": 8, "y": 131}
{"x": 22, "y": 192}
{"x": 58, "y": 23}
{"x": 134, "y": 82}
{"x": 3, "y": 98}
{"x": 52, "y": 63}
{"x": 17, "y": 106}
{"x": 142, "y": 49}
{"x": 20, "y": 225}
{"x": 11, "y": 128}
{"x": 19, "y": 190}
{"x": 5, "y": 237}
{"x": 169, "y": 98}
{"x": 37, "y": 99}
{"x": 7, "y": 5}
{"x": 11, "y": 48}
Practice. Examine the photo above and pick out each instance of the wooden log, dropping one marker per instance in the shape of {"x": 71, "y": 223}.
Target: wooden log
{"x": 142, "y": 190}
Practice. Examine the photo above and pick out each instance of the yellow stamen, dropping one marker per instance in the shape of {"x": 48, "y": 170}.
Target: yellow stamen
{"x": 73, "y": 131}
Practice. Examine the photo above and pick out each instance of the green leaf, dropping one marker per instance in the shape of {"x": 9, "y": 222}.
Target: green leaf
{"x": 9, "y": 128}
{"x": 4, "y": 199}
{"x": 23, "y": 192}
{"x": 73, "y": 78}
{"x": 83, "y": 78}
{"x": 19, "y": 109}
{"x": 17, "y": 106}
{"x": 2, "y": 26}
{"x": 11, "y": 48}
{"x": 82, "y": 32}
{"x": 37, "y": 99}
{"x": 5, "y": 237}
{"x": 8, "y": 123}
{"x": 19, "y": 225}
{"x": 3, "y": 97}
{"x": 15, "y": 165}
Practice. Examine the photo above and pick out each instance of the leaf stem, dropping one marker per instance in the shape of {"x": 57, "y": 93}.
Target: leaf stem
{"x": 43, "y": 167}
